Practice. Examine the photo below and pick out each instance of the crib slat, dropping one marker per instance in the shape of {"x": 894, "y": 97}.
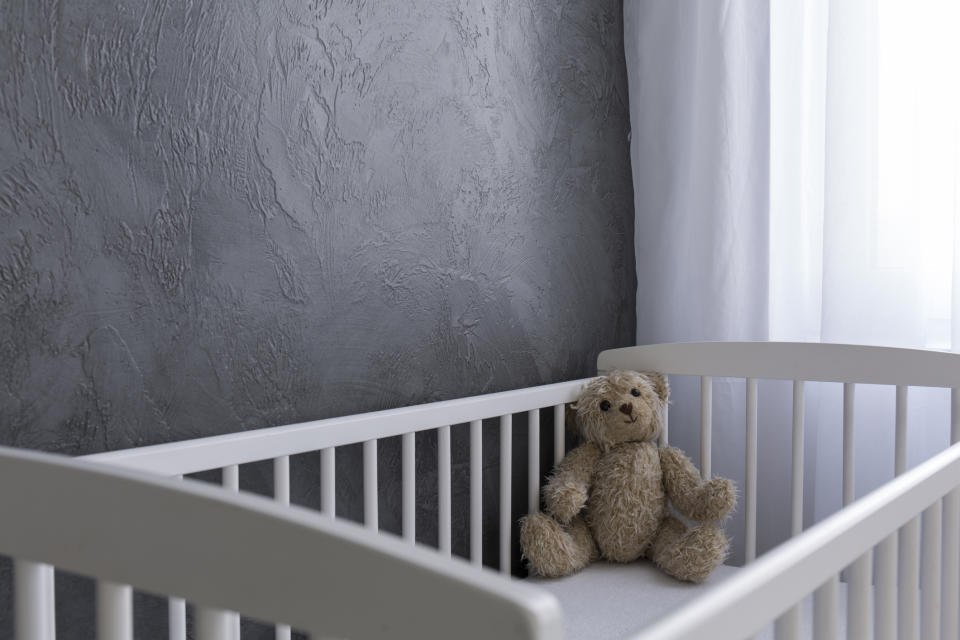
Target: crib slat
{"x": 231, "y": 481}
{"x": 858, "y": 598}
{"x": 796, "y": 522}
{"x": 506, "y": 455}
{"x": 231, "y": 477}
{"x": 908, "y": 569}
{"x": 930, "y": 571}
{"x": 900, "y": 446}
{"x": 409, "y": 472}
{"x": 281, "y": 493}
{"x": 177, "y": 618}
{"x": 281, "y": 479}
{"x": 443, "y": 488}
{"x": 177, "y": 613}
{"x": 114, "y": 611}
{"x": 33, "y": 601}
{"x": 49, "y": 584}
{"x": 476, "y": 493}
{"x": 955, "y": 415}
{"x": 885, "y": 608}
{"x": 787, "y": 626}
{"x": 533, "y": 461}
{"x": 849, "y": 390}
{"x": 218, "y": 624}
{"x": 559, "y": 433}
{"x": 211, "y": 624}
{"x": 949, "y": 623}
{"x": 825, "y": 609}
{"x": 908, "y": 581}
{"x": 859, "y": 580}
{"x": 706, "y": 424}
{"x": 370, "y": 506}
{"x": 751, "y": 490}
{"x": 328, "y": 481}
{"x": 665, "y": 434}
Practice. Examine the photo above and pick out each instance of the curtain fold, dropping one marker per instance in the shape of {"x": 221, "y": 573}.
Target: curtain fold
{"x": 697, "y": 75}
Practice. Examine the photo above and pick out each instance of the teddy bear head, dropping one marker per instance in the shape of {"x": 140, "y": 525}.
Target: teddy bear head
{"x": 622, "y": 406}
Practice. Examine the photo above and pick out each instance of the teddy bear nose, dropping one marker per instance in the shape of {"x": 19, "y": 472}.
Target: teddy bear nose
{"x": 627, "y": 409}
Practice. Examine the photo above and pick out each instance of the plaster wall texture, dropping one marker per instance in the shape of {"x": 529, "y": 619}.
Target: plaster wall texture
{"x": 218, "y": 216}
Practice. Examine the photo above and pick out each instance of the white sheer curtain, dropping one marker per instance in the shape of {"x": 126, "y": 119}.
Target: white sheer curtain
{"x": 797, "y": 177}
{"x": 865, "y": 178}
{"x": 699, "y": 98}
{"x": 864, "y": 215}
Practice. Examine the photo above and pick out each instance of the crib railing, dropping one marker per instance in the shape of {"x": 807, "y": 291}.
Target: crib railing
{"x": 244, "y": 552}
{"x": 786, "y": 575}
{"x": 752, "y": 361}
{"x": 227, "y": 452}
{"x": 900, "y": 561}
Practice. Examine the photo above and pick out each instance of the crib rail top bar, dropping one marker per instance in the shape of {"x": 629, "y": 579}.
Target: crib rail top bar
{"x": 190, "y": 456}
{"x": 742, "y": 605}
{"x": 791, "y": 361}
{"x": 247, "y": 553}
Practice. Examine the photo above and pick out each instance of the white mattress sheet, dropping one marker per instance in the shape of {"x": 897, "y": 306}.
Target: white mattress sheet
{"x": 607, "y": 601}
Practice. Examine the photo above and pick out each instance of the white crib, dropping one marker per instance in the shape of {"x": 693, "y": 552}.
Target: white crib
{"x": 125, "y": 518}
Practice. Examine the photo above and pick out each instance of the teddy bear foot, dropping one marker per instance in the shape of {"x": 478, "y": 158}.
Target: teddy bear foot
{"x": 553, "y": 550}
{"x": 689, "y": 554}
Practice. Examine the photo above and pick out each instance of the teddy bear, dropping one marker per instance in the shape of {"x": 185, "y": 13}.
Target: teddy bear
{"x": 608, "y": 498}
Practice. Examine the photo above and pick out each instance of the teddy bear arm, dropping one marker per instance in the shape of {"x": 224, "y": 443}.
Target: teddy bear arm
{"x": 566, "y": 492}
{"x": 697, "y": 500}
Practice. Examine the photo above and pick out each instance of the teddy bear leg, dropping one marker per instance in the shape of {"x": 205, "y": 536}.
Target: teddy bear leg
{"x": 554, "y": 550}
{"x": 688, "y": 554}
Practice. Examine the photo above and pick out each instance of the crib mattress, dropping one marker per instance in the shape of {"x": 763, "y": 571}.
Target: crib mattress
{"x": 608, "y": 601}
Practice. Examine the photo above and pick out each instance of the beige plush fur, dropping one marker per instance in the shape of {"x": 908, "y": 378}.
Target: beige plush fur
{"x": 608, "y": 498}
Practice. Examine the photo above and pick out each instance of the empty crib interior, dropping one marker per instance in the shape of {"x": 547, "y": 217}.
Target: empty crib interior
{"x": 800, "y": 428}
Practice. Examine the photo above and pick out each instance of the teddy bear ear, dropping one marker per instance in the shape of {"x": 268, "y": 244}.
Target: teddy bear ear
{"x": 659, "y": 383}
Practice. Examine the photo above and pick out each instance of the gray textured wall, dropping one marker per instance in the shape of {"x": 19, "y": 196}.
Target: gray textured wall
{"x": 226, "y": 215}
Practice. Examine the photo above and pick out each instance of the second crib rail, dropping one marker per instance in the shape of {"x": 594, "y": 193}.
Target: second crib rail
{"x": 880, "y": 522}
{"x": 279, "y": 443}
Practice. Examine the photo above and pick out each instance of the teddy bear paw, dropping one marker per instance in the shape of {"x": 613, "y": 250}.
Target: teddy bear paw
{"x": 565, "y": 501}
{"x": 721, "y": 495}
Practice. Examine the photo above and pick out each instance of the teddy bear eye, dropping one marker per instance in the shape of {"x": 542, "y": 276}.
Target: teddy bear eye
{"x": 605, "y": 405}
{"x": 635, "y": 393}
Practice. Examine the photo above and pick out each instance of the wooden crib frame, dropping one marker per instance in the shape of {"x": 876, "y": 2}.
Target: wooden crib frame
{"x": 97, "y": 515}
